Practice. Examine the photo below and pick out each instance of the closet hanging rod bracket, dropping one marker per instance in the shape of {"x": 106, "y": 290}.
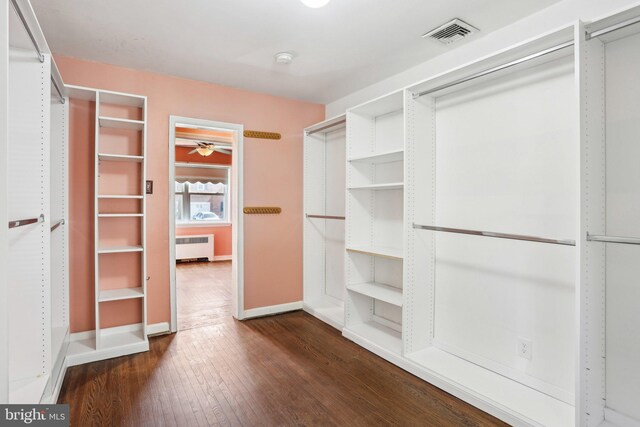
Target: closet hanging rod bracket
{"x": 613, "y": 239}
{"x": 495, "y": 69}
{"x": 14, "y": 3}
{"x": 57, "y": 224}
{"x": 565, "y": 242}
{"x": 23, "y": 222}
{"x": 320, "y": 129}
{"x": 326, "y": 217}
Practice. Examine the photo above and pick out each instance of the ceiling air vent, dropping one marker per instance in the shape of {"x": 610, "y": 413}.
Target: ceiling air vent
{"x": 451, "y": 32}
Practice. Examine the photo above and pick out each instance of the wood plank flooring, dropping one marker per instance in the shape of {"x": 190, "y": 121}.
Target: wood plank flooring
{"x": 204, "y": 293}
{"x": 286, "y": 370}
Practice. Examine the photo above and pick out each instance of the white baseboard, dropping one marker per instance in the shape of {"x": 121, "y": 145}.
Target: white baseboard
{"x": 272, "y": 309}
{"x": 616, "y": 418}
{"x": 153, "y": 329}
{"x": 223, "y": 258}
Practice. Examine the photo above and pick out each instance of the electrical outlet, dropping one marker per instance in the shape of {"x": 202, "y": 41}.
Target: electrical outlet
{"x": 525, "y": 348}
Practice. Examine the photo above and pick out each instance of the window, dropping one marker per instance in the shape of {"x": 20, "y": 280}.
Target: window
{"x": 203, "y": 199}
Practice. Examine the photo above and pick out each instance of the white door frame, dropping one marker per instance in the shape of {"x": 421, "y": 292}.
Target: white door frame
{"x": 237, "y": 203}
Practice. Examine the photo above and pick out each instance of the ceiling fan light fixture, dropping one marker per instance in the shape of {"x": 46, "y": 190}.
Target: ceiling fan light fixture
{"x": 204, "y": 151}
{"x": 315, "y": 3}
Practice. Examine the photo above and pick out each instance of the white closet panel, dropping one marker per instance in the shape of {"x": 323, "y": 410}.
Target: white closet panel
{"x": 29, "y": 246}
{"x": 505, "y": 161}
{"x": 324, "y": 238}
{"x": 4, "y": 132}
{"x": 59, "y": 236}
{"x": 622, "y": 59}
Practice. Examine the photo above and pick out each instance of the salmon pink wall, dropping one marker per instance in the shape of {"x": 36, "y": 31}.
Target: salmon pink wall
{"x": 222, "y": 240}
{"x": 272, "y": 177}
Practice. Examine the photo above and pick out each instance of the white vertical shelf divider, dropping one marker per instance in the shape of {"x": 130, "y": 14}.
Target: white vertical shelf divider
{"x": 323, "y": 219}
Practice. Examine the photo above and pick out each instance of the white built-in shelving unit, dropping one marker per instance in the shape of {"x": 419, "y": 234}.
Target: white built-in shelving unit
{"x": 495, "y": 153}
{"x": 120, "y": 225}
{"x": 36, "y": 203}
{"x": 324, "y": 189}
{"x": 375, "y": 219}
{"x": 492, "y": 232}
{"x": 609, "y": 63}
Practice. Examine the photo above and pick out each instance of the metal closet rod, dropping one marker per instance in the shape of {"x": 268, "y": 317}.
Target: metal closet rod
{"x": 22, "y": 222}
{"x": 495, "y": 69}
{"x": 613, "y": 239}
{"x": 326, "y": 217}
{"x": 613, "y": 28}
{"x": 55, "y": 85}
{"x": 311, "y": 132}
{"x": 564, "y": 242}
{"x": 57, "y": 224}
{"x": 14, "y": 3}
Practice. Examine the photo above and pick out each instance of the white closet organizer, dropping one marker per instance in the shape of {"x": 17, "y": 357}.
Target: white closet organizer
{"x": 37, "y": 268}
{"x": 374, "y": 235}
{"x": 324, "y": 226}
{"x": 610, "y": 223}
{"x": 120, "y": 256}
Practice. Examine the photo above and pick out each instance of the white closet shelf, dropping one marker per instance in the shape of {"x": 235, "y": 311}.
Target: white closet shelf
{"x": 116, "y": 123}
{"x": 119, "y": 196}
{"x": 112, "y": 344}
{"x": 120, "y": 215}
{"x": 386, "y": 157}
{"x": 379, "y": 291}
{"x": 28, "y": 390}
{"x": 119, "y": 249}
{"x": 376, "y": 334}
{"x": 120, "y": 158}
{"x": 120, "y": 294}
{"x": 121, "y": 339}
{"x": 331, "y": 313}
{"x": 476, "y": 380}
{"x": 380, "y": 251}
{"x": 387, "y": 186}
{"x": 125, "y": 99}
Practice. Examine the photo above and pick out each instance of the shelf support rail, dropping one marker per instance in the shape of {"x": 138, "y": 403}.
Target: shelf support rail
{"x": 23, "y": 222}
{"x": 613, "y": 239}
{"x": 320, "y": 129}
{"x": 495, "y": 69}
{"x": 565, "y": 242}
{"x": 57, "y": 224}
{"x": 326, "y": 217}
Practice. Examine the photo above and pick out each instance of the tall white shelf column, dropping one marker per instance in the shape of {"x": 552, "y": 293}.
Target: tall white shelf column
{"x": 375, "y": 223}
{"x": 125, "y": 339}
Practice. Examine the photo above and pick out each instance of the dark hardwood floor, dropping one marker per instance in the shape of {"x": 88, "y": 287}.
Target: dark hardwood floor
{"x": 282, "y": 370}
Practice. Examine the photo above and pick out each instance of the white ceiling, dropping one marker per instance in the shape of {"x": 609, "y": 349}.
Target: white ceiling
{"x": 339, "y": 49}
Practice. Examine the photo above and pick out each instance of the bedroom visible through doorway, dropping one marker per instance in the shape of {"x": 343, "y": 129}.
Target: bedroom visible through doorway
{"x": 202, "y": 194}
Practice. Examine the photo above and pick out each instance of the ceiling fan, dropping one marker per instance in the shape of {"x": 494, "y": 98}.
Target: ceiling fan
{"x": 207, "y": 148}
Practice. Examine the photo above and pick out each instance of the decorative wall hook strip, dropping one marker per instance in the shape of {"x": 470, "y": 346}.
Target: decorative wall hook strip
{"x": 262, "y": 210}
{"x": 261, "y": 135}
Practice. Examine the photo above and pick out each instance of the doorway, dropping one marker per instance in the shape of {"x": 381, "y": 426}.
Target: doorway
{"x": 205, "y": 222}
